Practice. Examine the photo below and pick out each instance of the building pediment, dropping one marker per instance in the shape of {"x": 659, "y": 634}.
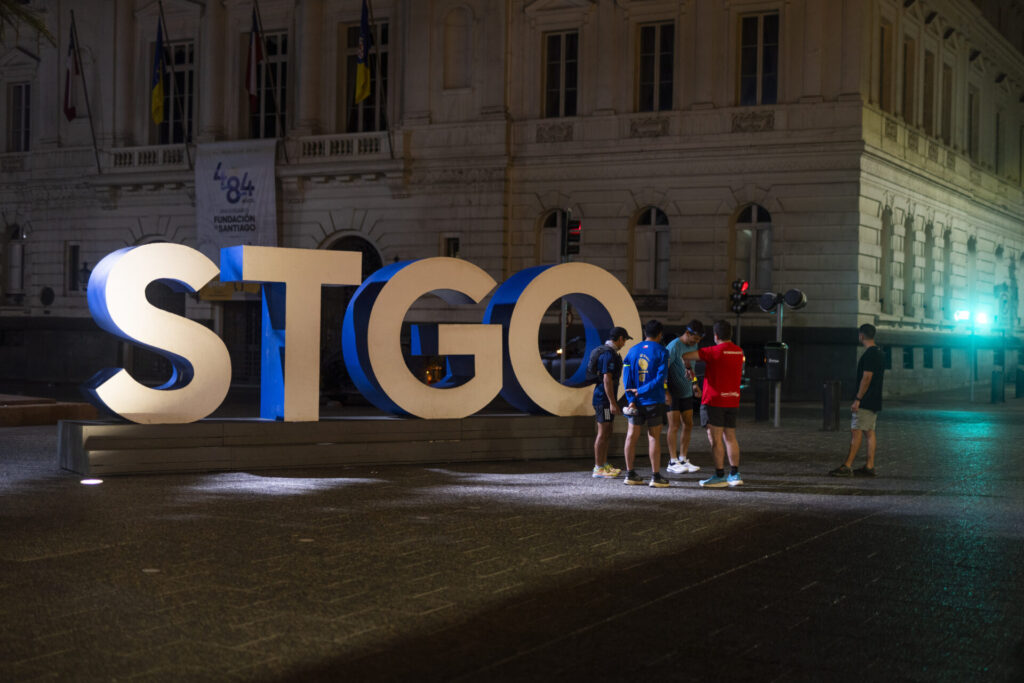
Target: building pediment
{"x": 18, "y": 58}
{"x": 541, "y": 6}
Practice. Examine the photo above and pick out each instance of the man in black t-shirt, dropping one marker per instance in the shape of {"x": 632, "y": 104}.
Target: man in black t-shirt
{"x": 609, "y": 372}
{"x": 866, "y": 404}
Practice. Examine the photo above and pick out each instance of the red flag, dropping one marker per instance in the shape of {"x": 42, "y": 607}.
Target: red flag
{"x": 255, "y": 57}
{"x": 70, "y": 74}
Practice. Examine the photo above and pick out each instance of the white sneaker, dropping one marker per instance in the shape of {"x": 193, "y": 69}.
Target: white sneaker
{"x": 676, "y": 468}
{"x": 688, "y": 466}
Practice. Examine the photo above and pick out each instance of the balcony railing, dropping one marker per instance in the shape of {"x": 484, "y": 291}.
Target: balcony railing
{"x": 160, "y": 157}
{"x": 319, "y": 148}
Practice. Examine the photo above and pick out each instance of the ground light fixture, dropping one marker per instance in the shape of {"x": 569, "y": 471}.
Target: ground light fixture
{"x": 91, "y": 482}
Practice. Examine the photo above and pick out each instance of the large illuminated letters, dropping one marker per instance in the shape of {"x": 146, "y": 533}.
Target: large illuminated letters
{"x": 498, "y": 355}
{"x": 519, "y": 305}
{"x": 201, "y": 365}
{"x": 290, "y": 387}
{"x": 373, "y": 327}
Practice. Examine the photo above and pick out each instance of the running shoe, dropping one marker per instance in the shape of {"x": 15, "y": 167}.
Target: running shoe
{"x": 688, "y": 466}
{"x": 714, "y": 482}
{"x": 633, "y": 479}
{"x": 676, "y": 467}
{"x": 734, "y": 479}
{"x": 864, "y": 472}
{"x": 605, "y": 471}
{"x": 841, "y": 471}
{"x": 659, "y": 482}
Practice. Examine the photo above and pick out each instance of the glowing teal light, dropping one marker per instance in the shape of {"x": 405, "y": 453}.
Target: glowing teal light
{"x": 962, "y": 315}
{"x": 982, "y": 318}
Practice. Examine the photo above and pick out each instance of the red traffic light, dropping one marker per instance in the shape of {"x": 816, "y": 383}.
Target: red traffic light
{"x": 744, "y": 287}
{"x": 575, "y": 227}
{"x": 740, "y": 286}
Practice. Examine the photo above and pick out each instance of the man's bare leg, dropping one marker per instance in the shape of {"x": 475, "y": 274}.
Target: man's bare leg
{"x": 856, "y": 436}
{"x": 687, "y": 416}
{"x": 604, "y": 434}
{"x": 629, "y": 449}
{"x": 871, "y": 450}
{"x": 732, "y": 447}
{"x": 654, "y": 448}
{"x": 717, "y": 447}
{"x": 674, "y": 422}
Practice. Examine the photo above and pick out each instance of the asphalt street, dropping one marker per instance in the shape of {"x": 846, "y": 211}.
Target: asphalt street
{"x": 531, "y": 570}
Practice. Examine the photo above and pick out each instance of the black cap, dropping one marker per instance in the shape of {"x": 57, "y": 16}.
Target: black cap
{"x": 618, "y": 332}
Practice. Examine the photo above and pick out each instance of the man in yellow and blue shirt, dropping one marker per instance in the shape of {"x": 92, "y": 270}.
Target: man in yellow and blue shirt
{"x": 645, "y": 378}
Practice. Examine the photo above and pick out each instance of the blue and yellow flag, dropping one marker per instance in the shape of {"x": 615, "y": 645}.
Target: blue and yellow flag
{"x": 156, "y": 95}
{"x": 362, "y": 63}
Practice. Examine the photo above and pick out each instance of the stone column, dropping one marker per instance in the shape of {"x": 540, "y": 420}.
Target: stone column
{"x": 416, "y": 83}
{"x": 310, "y": 23}
{"x": 813, "y": 53}
{"x": 124, "y": 72}
{"x": 211, "y": 79}
{"x": 705, "y": 66}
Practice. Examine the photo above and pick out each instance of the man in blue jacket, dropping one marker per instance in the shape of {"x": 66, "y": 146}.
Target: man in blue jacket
{"x": 645, "y": 378}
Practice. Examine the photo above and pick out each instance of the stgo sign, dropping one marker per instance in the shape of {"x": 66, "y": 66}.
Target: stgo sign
{"x": 497, "y": 355}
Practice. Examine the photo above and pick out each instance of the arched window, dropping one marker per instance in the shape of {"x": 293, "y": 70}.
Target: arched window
{"x": 885, "y": 293}
{"x": 651, "y": 251}
{"x": 909, "y": 295}
{"x": 335, "y": 382}
{"x": 458, "y": 27}
{"x": 753, "y": 259}
{"x": 929, "y": 271}
{"x": 972, "y": 272}
{"x": 947, "y": 275}
{"x": 551, "y": 236}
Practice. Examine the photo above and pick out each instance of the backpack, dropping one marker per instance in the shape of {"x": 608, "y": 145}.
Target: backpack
{"x": 593, "y": 362}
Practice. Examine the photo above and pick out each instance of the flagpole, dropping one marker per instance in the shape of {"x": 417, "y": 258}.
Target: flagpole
{"x": 85, "y": 91}
{"x": 383, "y": 91}
{"x": 278, "y": 126}
{"x": 174, "y": 87}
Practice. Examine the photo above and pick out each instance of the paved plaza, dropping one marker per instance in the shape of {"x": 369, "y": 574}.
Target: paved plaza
{"x": 531, "y": 570}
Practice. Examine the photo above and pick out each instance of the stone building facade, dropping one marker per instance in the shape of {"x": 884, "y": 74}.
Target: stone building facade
{"x": 867, "y": 152}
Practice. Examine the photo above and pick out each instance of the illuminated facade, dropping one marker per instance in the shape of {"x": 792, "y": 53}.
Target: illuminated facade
{"x": 868, "y": 152}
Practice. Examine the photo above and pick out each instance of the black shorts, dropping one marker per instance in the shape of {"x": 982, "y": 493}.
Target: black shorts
{"x": 603, "y": 413}
{"x": 652, "y": 415}
{"x": 681, "y": 404}
{"x": 718, "y": 417}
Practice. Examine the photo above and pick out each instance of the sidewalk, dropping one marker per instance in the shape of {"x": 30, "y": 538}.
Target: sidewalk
{"x": 532, "y": 570}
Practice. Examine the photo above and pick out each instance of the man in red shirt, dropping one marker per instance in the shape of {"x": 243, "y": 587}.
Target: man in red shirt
{"x": 720, "y": 401}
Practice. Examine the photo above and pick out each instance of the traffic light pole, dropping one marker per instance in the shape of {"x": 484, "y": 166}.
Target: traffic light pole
{"x": 564, "y": 218}
{"x": 778, "y": 385}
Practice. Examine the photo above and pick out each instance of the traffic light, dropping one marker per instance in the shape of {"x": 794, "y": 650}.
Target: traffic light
{"x": 739, "y": 296}
{"x": 572, "y": 231}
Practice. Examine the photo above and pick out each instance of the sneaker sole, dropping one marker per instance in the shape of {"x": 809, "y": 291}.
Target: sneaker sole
{"x": 718, "y": 485}
{"x": 630, "y": 482}
{"x": 840, "y": 474}
{"x": 735, "y": 483}
{"x": 604, "y": 476}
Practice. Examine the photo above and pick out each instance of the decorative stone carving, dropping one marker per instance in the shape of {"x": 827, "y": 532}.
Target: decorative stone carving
{"x": 933, "y": 152}
{"x": 554, "y": 132}
{"x": 912, "y": 141}
{"x": 950, "y": 161}
{"x": 890, "y": 129}
{"x": 753, "y": 121}
{"x": 648, "y": 128}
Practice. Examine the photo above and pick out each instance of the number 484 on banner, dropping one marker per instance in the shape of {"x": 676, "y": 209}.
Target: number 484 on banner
{"x": 234, "y": 187}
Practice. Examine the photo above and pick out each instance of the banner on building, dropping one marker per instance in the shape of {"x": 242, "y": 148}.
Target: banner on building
{"x": 236, "y": 201}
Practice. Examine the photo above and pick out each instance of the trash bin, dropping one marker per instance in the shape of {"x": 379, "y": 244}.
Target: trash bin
{"x": 998, "y": 388}
{"x": 775, "y": 360}
{"x": 831, "y": 395}
{"x": 762, "y": 399}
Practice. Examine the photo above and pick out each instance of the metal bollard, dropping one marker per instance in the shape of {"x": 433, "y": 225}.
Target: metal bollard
{"x": 831, "y": 395}
{"x": 998, "y": 389}
{"x": 762, "y": 399}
